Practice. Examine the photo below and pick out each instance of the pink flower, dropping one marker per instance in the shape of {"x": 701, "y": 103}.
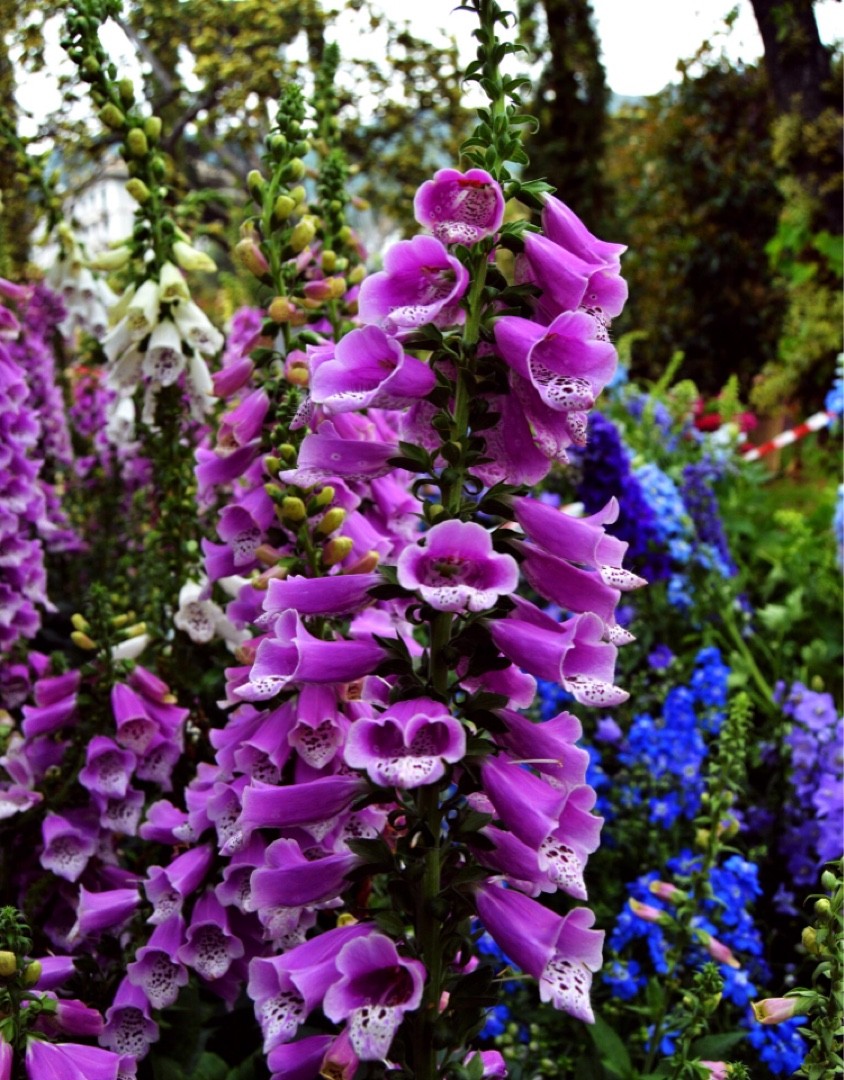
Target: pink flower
{"x": 408, "y": 745}
{"x": 420, "y": 283}
{"x": 460, "y": 208}
{"x": 774, "y": 1010}
{"x": 455, "y": 569}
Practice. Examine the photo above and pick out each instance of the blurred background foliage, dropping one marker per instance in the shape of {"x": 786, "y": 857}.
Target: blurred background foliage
{"x": 726, "y": 187}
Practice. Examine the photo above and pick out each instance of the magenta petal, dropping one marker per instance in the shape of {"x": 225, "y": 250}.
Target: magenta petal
{"x": 294, "y": 881}
{"x": 526, "y": 805}
{"x": 268, "y": 806}
{"x": 460, "y": 208}
{"x": 337, "y": 595}
{"x": 69, "y": 1061}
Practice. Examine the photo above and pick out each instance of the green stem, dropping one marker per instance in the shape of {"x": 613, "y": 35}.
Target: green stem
{"x": 428, "y": 935}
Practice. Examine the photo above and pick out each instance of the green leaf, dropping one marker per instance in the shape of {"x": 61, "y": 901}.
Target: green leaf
{"x": 613, "y": 1052}
{"x": 716, "y": 1047}
{"x": 167, "y": 1069}
{"x": 210, "y": 1067}
{"x": 247, "y": 1069}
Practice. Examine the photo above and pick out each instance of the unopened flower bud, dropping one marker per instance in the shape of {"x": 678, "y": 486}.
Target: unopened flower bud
{"x": 295, "y": 169}
{"x": 356, "y": 275}
{"x": 138, "y": 190}
{"x": 284, "y": 207}
{"x": 272, "y": 465}
{"x": 329, "y": 261}
{"x": 823, "y": 906}
{"x": 346, "y": 235}
{"x": 82, "y": 641}
{"x": 32, "y": 973}
{"x": 302, "y": 235}
{"x": 338, "y": 287}
{"x": 191, "y": 258}
{"x": 8, "y": 963}
{"x": 774, "y": 1010}
{"x": 346, "y": 919}
{"x": 249, "y": 255}
{"x": 666, "y": 891}
{"x": 267, "y": 554}
{"x": 297, "y": 373}
{"x": 298, "y": 194}
{"x": 324, "y": 496}
{"x": 274, "y": 492}
{"x": 112, "y": 117}
{"x": 809, "y": 937}
{"x": 172, "y": 284}
{"x": 293, "y": 509}
{"x": 331, "y": 521}
{"x": 365, "y": 565}
{"x": 80, "y": 622}
{"x": 136, "y": 630}
{"x": 152, "y": 128}
{"x": 114, "y": 259}
{"x": 828, "y": 881}
{"x": 136, "y": 140}
{"x": 649, "y": 913}
{"x": 126, "y": 89}
{"x": 287, "y": 452}
{"x": 256, "y": 183}
{"x": 336, "y": 550}
{"x": 718, "y": 950}
{"x": 280, "y": 309}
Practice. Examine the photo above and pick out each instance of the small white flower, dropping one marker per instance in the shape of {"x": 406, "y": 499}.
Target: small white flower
{"x": 202, "y": 619}
{"x": 164, "y": 360}
{"x": 142, "y": 312}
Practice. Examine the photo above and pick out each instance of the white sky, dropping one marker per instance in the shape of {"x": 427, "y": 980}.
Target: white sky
{"x": 641, "y": 40}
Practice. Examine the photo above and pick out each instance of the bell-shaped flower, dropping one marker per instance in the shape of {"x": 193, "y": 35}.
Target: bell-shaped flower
{"x": 164, "y": 359}
{"x": 552, "y": 744}
{"x": 285, "y": 988}
{"x": 136, "y": 729}
{"x": 210, "y": 946}
{"x": 300, "y": 1060}
{"x": 69, "y": 842}
{"x": 567, "y": 363}
{"x": 100, "y": 911}
{"x": 335, "y": 595}
{"x": 454, "y": 568}
{"x": 420, "y": 283}
{"x": 577, "y": 540}
{"x": 320, "y": 729}
{"x": 202, "y": 619}
{"x": 326, "y": 455}
{"x": 108, "y": 769}
{"x": 129, "y": 1028}
{"x": 156, "y": 968}
{"x": 564, "y": 227}
{"x": 196, "y": 328}
{"x": 407, "y": 746}
{"x": 266, "y": 806}
{"x": 292, "y": 656}
{"x": 69, "y": 1061}
{"x": 166, "y": 887}
{"x": 290, "y": 879}
{"x": 561, "y": 952}
{"x": 376, "y": 988}
{"x": 573, "y": 654}
{"x": 369, "y": 369}
{"x": 142, "y": 310}
{"x": 460, "y": 208}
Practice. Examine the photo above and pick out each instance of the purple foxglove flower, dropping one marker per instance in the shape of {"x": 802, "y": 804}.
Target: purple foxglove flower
{"x": 268, "y": 807}
{"x": 44, "y": 719}
{"x": 7, "y": 1055}
{"x": 327, "y": 455}
{"x": 108, "y": 769}
{"x": 573, "y": 654}
{"x": 244, "y": 423}
{"x": 517, "y": 861}
{"x": 567, "y": 363}
{"x": 100, "y": 911}
{"x": 551, "y": 744}
{"x": 210, "y": 947}
{"x": 420, "y": 283}
{"x": 567, "y": 586}
{"x": 460, "y": 208}
{"x": 122, "y": 815}
{"x": 320, "y": 730}
{"x": 293, "y": 656}
{"x": 69, "y": 1061}
{"x": 56, "y": 688}
{"x": 291, "y": 880}
{"x": 565, "y": 228}
{"x": 493, "y": 1063}
{"x": 515, "y": 457}
{"x": 526, "y": 805}
{"x": 69, "y": 1017}
{"x": 55, "y": 971}
{"x": 167, "y": 887}
{"x": 129, "y": 1029}
{"x": 135, "y": 727}
{"x": 286, "y": 988}
{"x": 156, "y": 969}
{"x": 235, "y": 890}
{"x": 339, "y": 594}
{"x": 560, "y": 952}
{"x": 161, "y": 819}
{"x": 369, "y": 370}
{"x": 577, "y": 540}
{"x": 455, "y": 569}
{"x": 408, "y": 745}
{"x": 69, "y": 842}
{"x": 238, "y": 528}
{"x": 569, "y": 282}
{"x": 301, "y": 1060}
{"x": 377, "y": 987}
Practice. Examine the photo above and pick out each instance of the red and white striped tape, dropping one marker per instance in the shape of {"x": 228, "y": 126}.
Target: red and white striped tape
{"x": 814, "y": 423}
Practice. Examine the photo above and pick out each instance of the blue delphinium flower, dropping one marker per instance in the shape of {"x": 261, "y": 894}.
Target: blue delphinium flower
{"x": 780, "y": 1046}
{"x": 702, "y": 505}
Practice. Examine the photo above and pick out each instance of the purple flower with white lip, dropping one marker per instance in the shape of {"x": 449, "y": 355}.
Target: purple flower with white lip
{"x": 420, "y": 283}
{"x": 290, "y": 879}
{"x": 567, "y": 363}
{"x": 100, "y": 911}
{"x": 155, "y": 968}
{"x": 108, "y": 769}
{"x": 407, "y": 746}
{"x": 560, "y": 952}
{"x": 377, "y": 987}
{"x": 369, "y": 369}
{"x": 210, "y": 947}
{"x": 460, "y": 208}
{"x": 69, "y": 842}
{"x": 454, "y": 568}
{"x": 129, "y": 1028}
{"x": 167, "y": 887}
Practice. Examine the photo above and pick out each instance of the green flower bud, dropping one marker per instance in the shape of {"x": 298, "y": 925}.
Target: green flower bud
{"x": 324, "y": 497}
{"x": 293, "y": 509}
{"x": 8, "y": 963}
{"x": 152, "y": 128}
{"x": 91, "y": 65}
{"x": 329, "y": 261}
{"x": 303, "y": 234}
{"x": 32, "y": 973}
{"x": 137, "y": 143}
{"x": 298, "y": 194}
{"x": 82, "y": 641}
{"x": 294, "y": 170}
{"x": 336, "y": 550}
{"x": 284, "y": 207}
{"x": 126, "y": 89}
{"x": 332, "y": 520}
{"x": 112, "y": 117}
{"x": 256, "y": 183}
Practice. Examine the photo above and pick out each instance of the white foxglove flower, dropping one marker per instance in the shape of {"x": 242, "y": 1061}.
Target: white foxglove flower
{"x": 202, "y": 620}
{"x": 172, "y": 284}
{"x": 142, "y": 312}
{"x": 164, "y": 360}
{"x": 197, "y": 329}
{"x": 190, "y": 258}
